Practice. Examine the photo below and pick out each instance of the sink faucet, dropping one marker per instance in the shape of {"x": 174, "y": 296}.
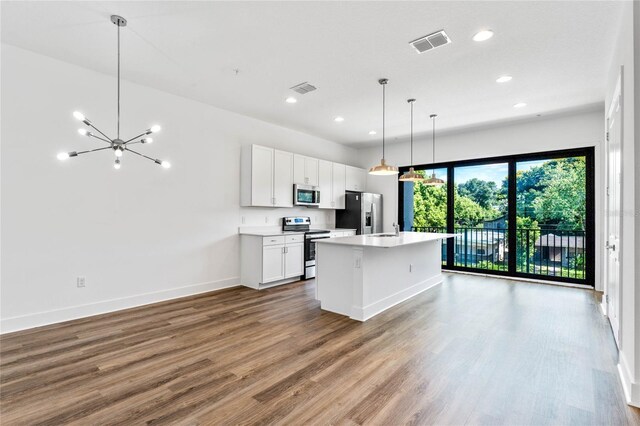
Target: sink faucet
{"x": 396, "y": 228}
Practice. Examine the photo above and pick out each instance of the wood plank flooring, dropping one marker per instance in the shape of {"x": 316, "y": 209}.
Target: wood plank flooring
{"x": 474, "y": 350}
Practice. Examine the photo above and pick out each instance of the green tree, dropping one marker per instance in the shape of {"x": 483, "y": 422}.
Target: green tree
{"x": 429, "y": 205}
{"x": 527, "y": 233}
{"x": 481, "y": 191}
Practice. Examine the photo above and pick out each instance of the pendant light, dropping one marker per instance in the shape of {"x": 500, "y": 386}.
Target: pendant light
{"x": 411, "y": 175}
{"x": 117, "y": 145}
{"x": 383, "y": 169}
{"x": 433, "y": 180}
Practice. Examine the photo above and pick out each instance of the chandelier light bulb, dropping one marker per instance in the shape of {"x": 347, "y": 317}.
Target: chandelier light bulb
{"x": 118, "y": 152}
{"x": 165, "y": 164}
{"x": 83, "y": 132}
{"x": 117, "y": 164}
{"x": 79, "y": 116}
{"x": 147, "y": 140}
{"x": 155, "y": 129}
{"x": 63, "y": 156}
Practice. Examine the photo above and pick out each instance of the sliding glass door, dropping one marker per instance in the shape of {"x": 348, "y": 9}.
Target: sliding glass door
{"x": 526, "y": 215}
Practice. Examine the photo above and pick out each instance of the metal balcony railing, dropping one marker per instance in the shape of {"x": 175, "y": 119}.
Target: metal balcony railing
{"x": 544, "y": 252}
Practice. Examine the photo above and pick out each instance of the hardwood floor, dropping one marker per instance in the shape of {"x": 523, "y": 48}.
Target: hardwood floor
{"x": 474, "y": 350}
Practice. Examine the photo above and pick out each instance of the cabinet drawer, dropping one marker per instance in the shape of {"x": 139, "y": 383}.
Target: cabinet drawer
{"x": 294, "y": 238}
{"x": 270, "y": 241}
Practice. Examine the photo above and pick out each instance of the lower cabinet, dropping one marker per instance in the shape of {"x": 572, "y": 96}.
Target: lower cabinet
{"x": 272, "y": 260}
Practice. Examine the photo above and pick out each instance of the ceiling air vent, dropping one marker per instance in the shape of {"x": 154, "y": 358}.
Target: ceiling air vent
{"x": 430, "y": 41}
{"x": 303, "y": 88}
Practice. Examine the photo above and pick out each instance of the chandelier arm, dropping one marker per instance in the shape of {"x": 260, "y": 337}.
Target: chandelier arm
{"x": 145, "y": 133}
{"x": 98, "y": 130}
{"x": 142, "y": 155}
{"x": 93, "y": 150}
{"x": 99, "y": 138}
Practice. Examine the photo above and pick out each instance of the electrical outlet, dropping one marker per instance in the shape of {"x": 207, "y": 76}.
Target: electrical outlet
{"x": 80, "y": 282}
{"x": 358, "y": 263}
{"x": 411, "y": 267}
{"x": 266, "y": 219}
{"x": 244, "y": 220}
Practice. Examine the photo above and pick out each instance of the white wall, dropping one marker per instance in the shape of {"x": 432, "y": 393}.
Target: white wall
{"x": 140, "y": 234}
{"x": 626, "y": 54}
{"x": 583, "y": 129}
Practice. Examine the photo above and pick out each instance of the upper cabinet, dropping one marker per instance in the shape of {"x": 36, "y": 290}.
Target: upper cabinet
{"x": 355, "y": 179}
{"x": 331, "y": 178}
{"x": 305, "y": 170}
{"x": 266, "y": 177}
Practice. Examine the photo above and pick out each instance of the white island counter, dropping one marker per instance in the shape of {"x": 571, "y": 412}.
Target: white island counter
{"x": 362, "y": 275}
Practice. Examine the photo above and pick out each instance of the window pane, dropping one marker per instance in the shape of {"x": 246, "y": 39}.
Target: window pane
{"x": 551, "y": 217}
{"x": 425, "y": 206}
{"x": 480, "y": 216}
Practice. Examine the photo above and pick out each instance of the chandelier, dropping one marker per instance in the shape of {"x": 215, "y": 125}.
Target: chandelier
{"x": 117, "y": 145}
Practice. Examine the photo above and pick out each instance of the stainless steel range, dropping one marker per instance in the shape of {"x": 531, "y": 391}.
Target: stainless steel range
{"x": 303, "y": 223}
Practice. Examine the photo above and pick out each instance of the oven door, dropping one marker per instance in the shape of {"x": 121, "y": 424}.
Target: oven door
{"x": 305, "y": 195}
{"x": 310, "y": 255}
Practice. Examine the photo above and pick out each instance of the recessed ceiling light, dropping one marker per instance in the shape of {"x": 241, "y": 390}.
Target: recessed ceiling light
{"x": 483, "y": 35}
{"x": 503, "y": 79}
{"x": 520, "y": 105}
{"x": 291, "y": 100}
{"x": 338, "y": 119}
{"x": 373, "y": 132}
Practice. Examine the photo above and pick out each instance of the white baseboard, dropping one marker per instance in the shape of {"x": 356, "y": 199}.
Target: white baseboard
{"x": 38, "y": 319}
{"x": 366, "y": 312}
{"x": 631, "y": 389}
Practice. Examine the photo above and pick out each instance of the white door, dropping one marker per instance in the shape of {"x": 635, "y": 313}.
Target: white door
{"x": 339, "y": 185}
{"x": 293, "y": 260}
{"x": 272, "y": 263}
{"x": 282, "y": 179}
{"x": 325, "y": 173}
{"x": 261, "y": 176}
{"x": 613, "y": 212}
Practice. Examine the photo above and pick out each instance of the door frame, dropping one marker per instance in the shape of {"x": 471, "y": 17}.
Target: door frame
{"x": 619, "y": 101}
{"x": 511, "y": 160}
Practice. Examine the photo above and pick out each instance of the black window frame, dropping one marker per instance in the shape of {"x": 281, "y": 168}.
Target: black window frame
{"x": 511, "y": 160}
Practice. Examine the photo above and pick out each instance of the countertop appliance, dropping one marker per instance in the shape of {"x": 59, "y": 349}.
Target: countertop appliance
{"x": 306, "y": 195}
{"x": 363, "y": 211}
{"x": 303, "y": 223}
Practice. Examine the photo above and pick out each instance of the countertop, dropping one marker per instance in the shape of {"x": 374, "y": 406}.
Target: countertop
{"x": 372, "y": 240}
{"x": 277, "y": 232}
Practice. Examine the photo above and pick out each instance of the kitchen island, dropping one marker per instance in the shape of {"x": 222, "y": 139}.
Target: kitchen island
{"x": 363, "y": 275}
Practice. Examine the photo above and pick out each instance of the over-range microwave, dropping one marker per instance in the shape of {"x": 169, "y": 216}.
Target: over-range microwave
{"x": 306, "y": 195}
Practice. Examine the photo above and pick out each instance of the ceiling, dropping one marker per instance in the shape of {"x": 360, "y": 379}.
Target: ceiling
{"x": 244, "y": 57}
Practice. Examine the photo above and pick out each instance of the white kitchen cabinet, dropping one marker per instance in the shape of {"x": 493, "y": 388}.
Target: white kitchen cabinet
{"x": 282, "y": 179}
{"x": 325, "y": 183}
{"x": 266, "y": 177}
{"x": 266, "y": 261}
{"x": 338, "y": 186}
{"x": 293, "y": 260}
{"x": 272, "y": 263}
{"x": 355, "y": 179}
{"x": 305, "y": 170}
{"x": 331, "y": 178}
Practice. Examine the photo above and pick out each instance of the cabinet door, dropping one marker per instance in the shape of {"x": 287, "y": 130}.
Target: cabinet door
{"x": 294, "y": 260}
{"x": 272, "y": 263}
{"x": 311, "y": 171}
{"x": 338, "y": 185}
{"x": 325, "y": 172}
{"x": 283, "y": 179}
{"x": 298, "y": 169}
{"x": 354, "y": 178}
{"x": 261, "y": 176}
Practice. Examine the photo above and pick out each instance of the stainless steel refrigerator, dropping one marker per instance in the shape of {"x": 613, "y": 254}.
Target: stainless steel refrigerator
{"x": 363, "y": 212}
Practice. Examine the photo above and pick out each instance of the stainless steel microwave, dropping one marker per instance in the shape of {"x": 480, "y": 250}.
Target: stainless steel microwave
{"x": 306, "y": 195}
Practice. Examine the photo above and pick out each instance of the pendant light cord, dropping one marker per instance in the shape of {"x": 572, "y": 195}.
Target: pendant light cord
{"x": 383, "y": 104}
{"x": 118, "y": 81}
{"x": 411, "y": 159}
{"x": 433, "y": 159}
